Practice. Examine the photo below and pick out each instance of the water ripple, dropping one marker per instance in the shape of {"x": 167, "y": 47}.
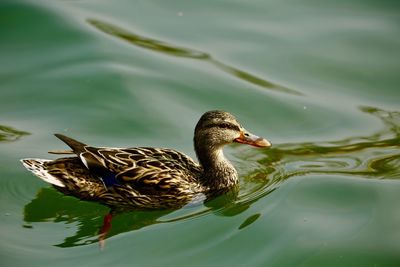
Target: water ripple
{"x": 9, "y": 134}
{"x": 374, "y": 156}
{"x": 176, "y": 51}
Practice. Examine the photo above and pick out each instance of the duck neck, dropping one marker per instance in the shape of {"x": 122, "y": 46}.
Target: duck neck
{"x": 218, "y": 172}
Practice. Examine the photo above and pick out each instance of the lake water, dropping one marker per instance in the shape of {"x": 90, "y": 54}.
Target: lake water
{"x": 319, "y": 79}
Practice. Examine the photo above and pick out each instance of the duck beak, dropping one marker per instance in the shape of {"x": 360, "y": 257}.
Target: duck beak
{"x": 251, "y": 139}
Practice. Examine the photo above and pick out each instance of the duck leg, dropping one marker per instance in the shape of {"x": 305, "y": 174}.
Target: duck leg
{"x": 105, "y": 229}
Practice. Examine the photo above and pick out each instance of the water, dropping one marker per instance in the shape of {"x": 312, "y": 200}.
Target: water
{"x": 319, "y": 80}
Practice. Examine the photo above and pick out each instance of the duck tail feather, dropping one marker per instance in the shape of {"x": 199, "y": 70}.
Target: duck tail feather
{"x": 77, "y": 147}
{"x": 38, "y": 168}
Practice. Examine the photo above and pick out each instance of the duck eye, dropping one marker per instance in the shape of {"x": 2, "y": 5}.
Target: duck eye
{"x": 246, "y": 134}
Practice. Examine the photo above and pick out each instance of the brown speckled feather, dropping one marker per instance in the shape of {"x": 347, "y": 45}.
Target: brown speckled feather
{"x": 145, "y": 177}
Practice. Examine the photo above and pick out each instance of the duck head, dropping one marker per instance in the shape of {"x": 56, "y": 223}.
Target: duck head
{"x": 218, "y": 128}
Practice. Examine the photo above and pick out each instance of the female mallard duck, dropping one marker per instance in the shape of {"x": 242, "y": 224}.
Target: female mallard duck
{"x": 145, "y": 177}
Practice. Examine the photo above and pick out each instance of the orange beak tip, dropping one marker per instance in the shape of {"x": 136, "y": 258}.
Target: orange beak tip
{"x": 253, "y": 141}
{"x": 262, "y": 143}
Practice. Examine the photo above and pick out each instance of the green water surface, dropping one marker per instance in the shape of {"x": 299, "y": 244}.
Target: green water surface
{"x": 319, "y": 79}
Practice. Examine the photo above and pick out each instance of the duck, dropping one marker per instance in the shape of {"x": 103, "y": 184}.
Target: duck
{"x": 146, "y": 177}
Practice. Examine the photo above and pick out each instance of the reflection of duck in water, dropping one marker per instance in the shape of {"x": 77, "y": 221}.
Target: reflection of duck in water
{"x": 148, "y": 178}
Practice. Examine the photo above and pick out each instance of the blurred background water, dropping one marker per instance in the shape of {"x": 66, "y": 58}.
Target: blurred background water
{"x": 319, "y": 79}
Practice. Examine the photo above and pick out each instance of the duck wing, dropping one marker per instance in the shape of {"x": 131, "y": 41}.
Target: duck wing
{"x": 149, "y": 170}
